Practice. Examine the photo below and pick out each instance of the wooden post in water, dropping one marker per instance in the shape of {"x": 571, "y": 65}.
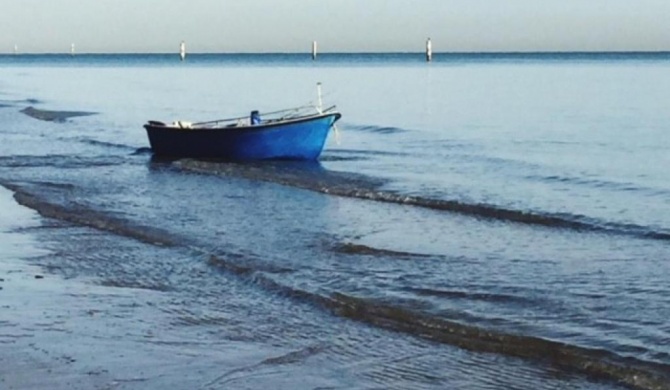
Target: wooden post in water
{"x": 313, "y": 50}
{"x": 429, "y": 50}
{"x": 182, "y": 50}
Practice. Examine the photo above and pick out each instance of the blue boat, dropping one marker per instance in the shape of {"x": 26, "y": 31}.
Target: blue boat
{"x": 287, "y": 134}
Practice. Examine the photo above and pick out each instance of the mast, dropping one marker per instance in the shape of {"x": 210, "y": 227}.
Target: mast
{"x": 16, "y": 49}
{"x": 313, "y": 50}
{"x": 182, "y": 51}
{"x": 72, "y": 49}
{"x": 319, "y": 103}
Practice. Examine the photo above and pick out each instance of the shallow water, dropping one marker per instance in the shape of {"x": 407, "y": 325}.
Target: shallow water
{"x": 484, "y": 221}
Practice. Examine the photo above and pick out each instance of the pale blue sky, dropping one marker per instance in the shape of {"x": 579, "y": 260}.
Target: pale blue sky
{"x": 338, "y": 25}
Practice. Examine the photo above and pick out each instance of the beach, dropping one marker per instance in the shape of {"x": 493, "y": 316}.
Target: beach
{"x": 67, "y": 334}
{"x": 62, "y": 333}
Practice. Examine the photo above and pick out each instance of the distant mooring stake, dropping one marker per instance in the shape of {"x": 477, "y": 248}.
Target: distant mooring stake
{"x": 429, "y": 50}
{"x": 182, "y": 50}
{"x": 313, "y": 50}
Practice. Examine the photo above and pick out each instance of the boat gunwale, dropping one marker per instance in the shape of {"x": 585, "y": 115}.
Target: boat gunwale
{"x": 247, "y": 127}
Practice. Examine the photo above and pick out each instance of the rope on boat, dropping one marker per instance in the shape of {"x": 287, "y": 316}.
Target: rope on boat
{"x": 296, "y": 109}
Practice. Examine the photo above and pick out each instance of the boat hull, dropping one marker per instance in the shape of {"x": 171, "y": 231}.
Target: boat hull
{"x": 296, "y": 139}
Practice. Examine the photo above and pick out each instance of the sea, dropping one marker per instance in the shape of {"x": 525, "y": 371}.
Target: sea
{"x": 482, "y": 221}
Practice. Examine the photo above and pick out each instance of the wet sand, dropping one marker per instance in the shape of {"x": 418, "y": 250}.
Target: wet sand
{"x": 54, "y": 333}
{"x": 58, "y": 333}
{"x": 53, "y": 116}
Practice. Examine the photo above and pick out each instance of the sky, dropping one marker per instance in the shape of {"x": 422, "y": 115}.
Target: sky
{"x": 131, "y": 26}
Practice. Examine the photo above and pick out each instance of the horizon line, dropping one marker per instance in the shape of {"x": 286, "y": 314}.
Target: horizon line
{"x": 514, "y": 52}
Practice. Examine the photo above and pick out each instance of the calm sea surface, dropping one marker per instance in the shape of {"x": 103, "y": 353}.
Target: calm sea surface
{"x": 482, "y": 221}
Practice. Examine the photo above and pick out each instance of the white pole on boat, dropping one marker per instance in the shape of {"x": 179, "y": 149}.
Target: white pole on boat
{"x": 72, "y": 49}
{"x": 429, "y": 50}
{"x": 182, "y": 50}
{"x": 313, "y": 50}
{"x": 319, "y": 106}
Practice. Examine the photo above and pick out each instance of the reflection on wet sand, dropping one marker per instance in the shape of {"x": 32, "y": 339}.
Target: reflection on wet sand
{"x": 53, "y": 116}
